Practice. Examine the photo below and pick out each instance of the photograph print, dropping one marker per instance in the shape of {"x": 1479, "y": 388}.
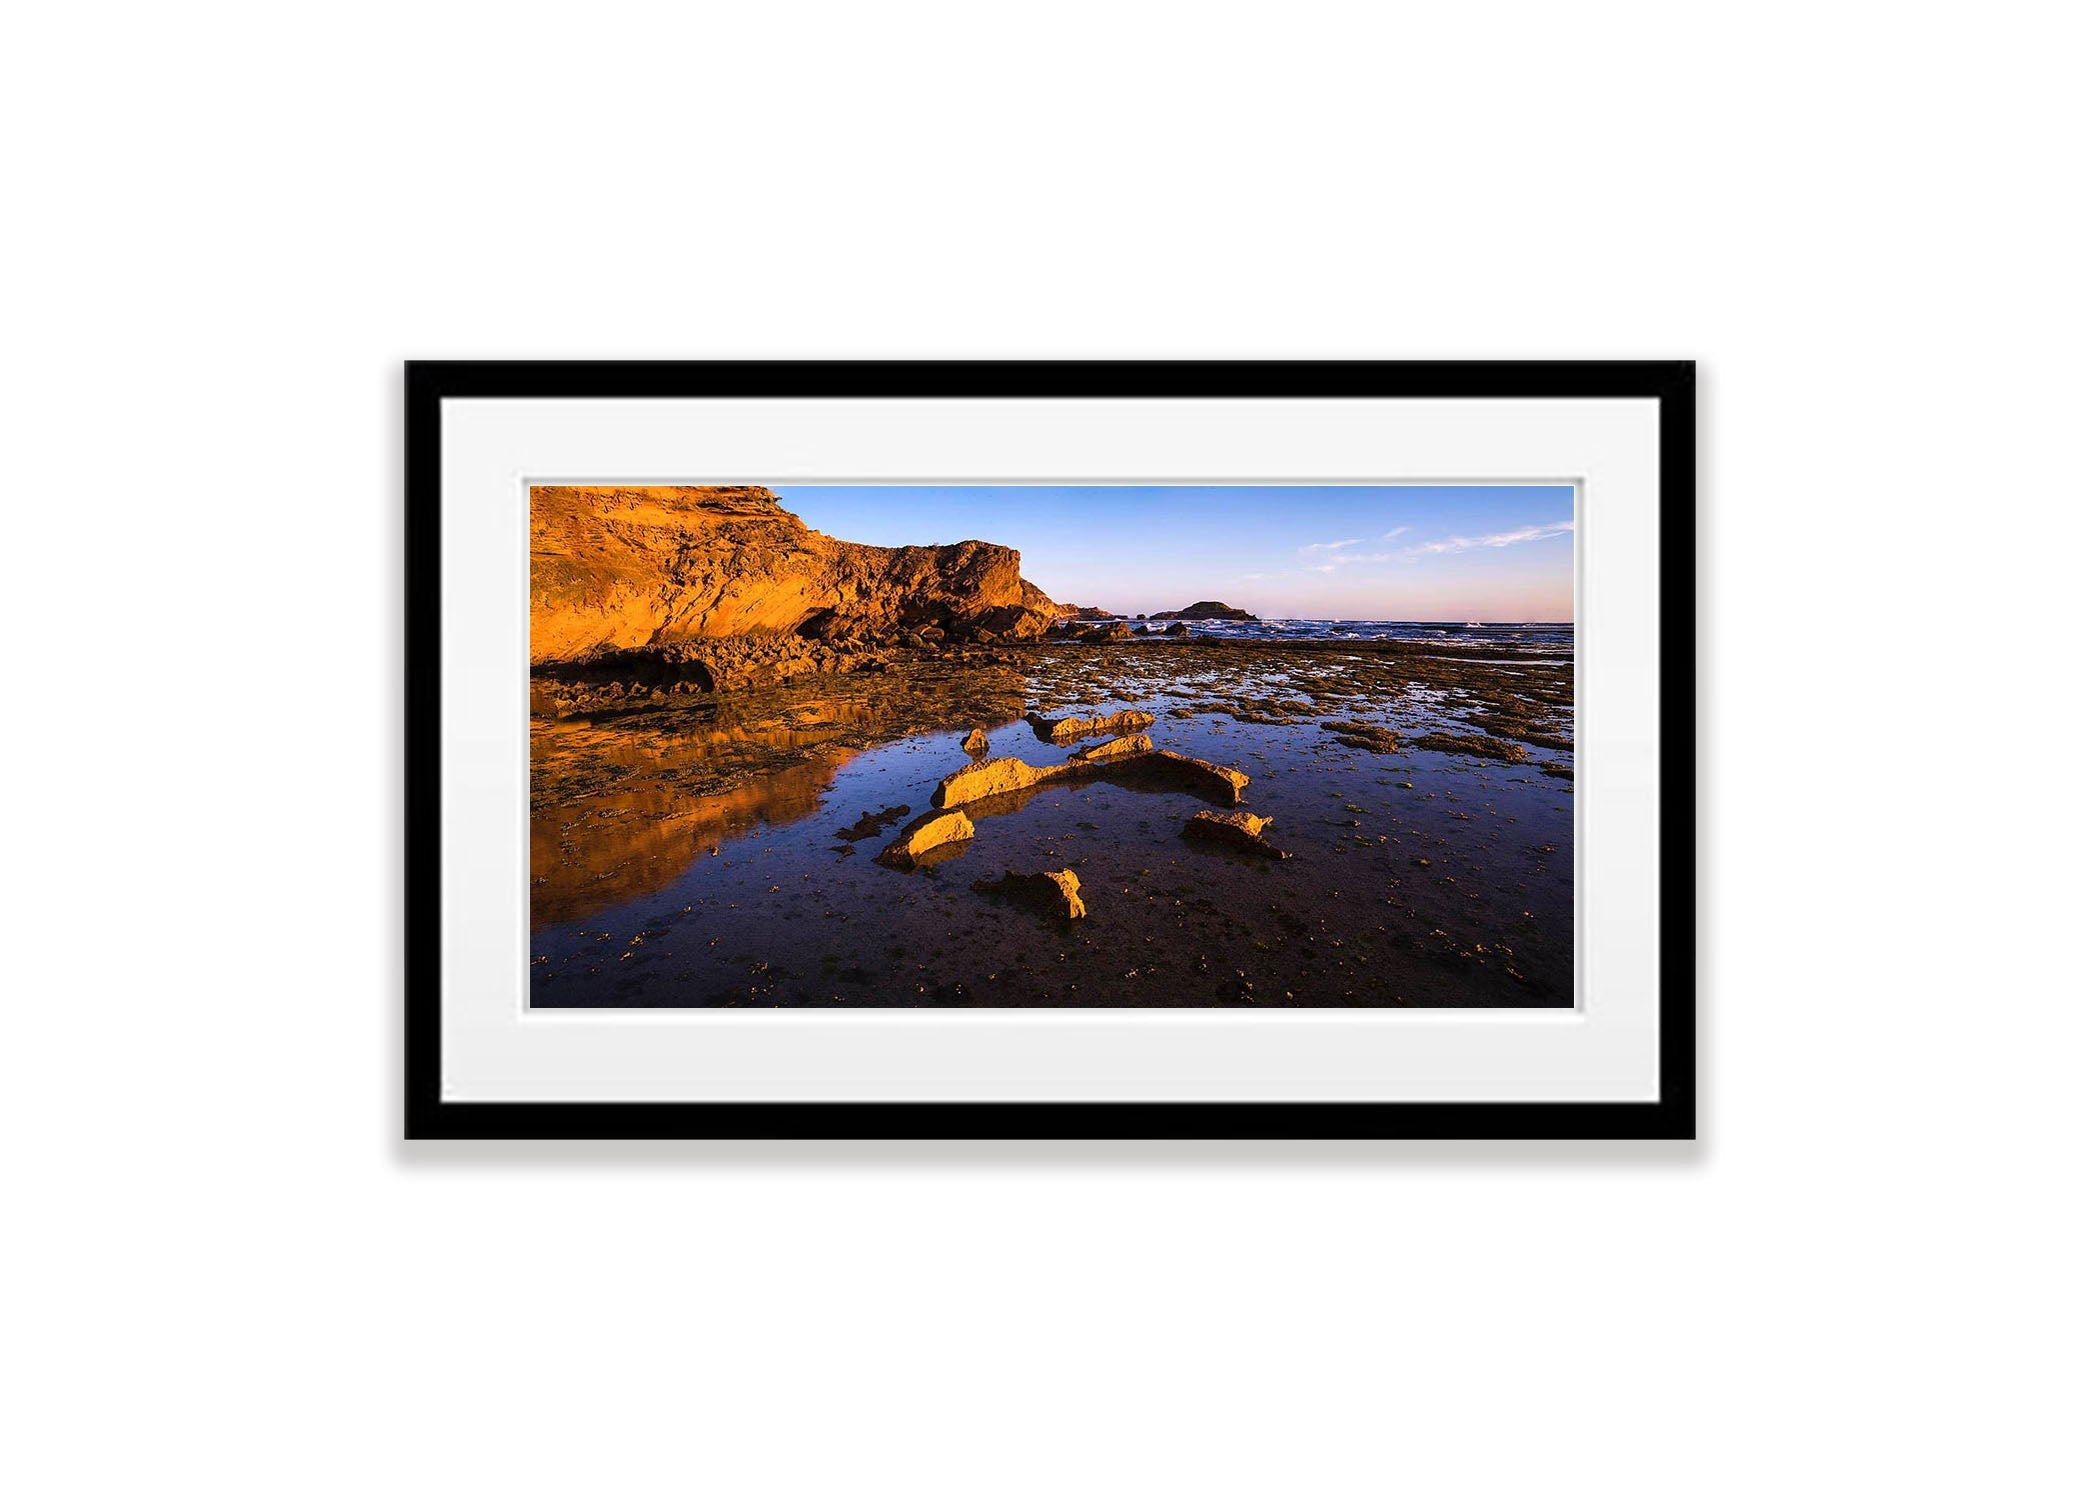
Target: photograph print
{"x": 1029, "y": 746}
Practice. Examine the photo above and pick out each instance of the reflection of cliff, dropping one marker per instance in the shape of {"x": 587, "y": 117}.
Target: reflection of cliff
{"x": 621, "y": 809}
{"x": 602, "y": 850}
{"x": 625, "y": 568}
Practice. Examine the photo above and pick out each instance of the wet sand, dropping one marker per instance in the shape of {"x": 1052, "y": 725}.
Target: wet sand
{"x": 723, "y": 853}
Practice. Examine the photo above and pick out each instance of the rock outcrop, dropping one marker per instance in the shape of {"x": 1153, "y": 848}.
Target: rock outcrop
{"x": 1133, "y": 755}
{"x": 922, "y": 837}
{"x": 676, "y": 571}
{"x": 1115, "y": 750}
{"x": 989, "y": 778}
{"x": 1075, "y": 727}
{"x": 1205, "y": 609}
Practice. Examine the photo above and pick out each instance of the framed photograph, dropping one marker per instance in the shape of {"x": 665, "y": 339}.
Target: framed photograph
{"x": 1050, "y": 750}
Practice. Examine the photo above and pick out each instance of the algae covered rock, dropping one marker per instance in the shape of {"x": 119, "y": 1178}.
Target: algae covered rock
{"x": 1473, "y": 744}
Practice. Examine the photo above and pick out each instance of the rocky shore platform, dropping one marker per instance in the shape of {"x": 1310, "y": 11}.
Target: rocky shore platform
{"x": 1196, "y": 820}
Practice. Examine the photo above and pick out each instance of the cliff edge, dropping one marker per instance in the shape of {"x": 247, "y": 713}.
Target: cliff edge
{"x": 670, "y": 569}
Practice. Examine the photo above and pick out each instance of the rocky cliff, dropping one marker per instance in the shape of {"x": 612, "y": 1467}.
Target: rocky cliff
{"x": 678, "y": 571}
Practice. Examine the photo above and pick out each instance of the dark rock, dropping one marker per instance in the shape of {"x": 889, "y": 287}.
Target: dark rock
{"x": 871, "y": 824}
{"x": 1473, "y": 744}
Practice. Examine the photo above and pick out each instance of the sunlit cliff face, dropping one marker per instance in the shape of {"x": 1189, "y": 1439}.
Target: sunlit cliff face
{"x": 623, "y": 568}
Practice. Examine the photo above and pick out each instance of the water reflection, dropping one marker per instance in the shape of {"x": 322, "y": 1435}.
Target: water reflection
{"x": 602, "y": 850}
{"x": 620, "y": 808}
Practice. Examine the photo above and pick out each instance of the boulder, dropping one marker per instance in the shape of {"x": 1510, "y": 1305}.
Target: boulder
{"x": 974, "y": 743}
{"x": 1052, "y": 892}
{"x": 1239, "y": 830}
{"x": 922, "y": 836}
{"x": 1178, "y": 628}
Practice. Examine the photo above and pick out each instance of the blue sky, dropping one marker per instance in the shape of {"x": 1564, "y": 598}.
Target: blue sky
{"x": 1350, "y": 552}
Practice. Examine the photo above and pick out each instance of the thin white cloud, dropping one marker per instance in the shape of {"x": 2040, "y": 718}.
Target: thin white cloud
{"x": 1345, "y": 559}
{"x": 1496, "y": 539}
{"x": 1328, "y": 557}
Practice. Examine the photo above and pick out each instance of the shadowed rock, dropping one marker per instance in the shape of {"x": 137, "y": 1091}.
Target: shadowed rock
{"x": 921, "y": 837}
{"x": 1063, "y": 731}
{"x": 871, "y": 824}
{"x": 1237, "y": 830}
{"x": 1054, "y": 893}
{"x": 1217, "y": 781}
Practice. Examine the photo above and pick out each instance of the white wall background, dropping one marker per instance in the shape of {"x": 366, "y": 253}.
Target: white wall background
{"x": 226, "y": 225}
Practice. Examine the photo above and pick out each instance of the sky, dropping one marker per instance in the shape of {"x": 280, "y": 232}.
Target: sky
{"x": 1340, "y": 552}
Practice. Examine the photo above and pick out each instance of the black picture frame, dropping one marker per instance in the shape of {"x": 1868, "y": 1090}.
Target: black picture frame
{"x": 1671, "y": 1116}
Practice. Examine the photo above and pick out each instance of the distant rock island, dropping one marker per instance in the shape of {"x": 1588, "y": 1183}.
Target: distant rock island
{"x": 1202, "y": 609}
